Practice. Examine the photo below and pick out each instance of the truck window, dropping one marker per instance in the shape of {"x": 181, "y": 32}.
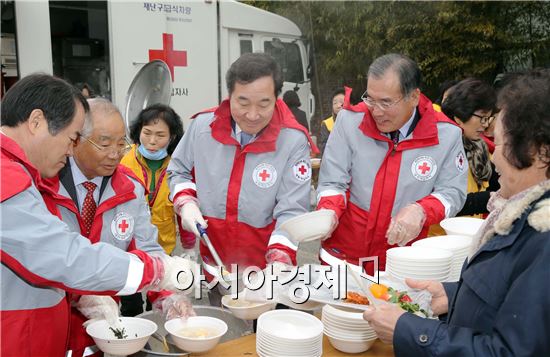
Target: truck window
{"x": 80, "y": 44}
{"x": 246, "y": 46}
{"x": 289, "y": 58}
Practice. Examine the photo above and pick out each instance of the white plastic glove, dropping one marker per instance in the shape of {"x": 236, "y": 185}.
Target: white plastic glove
{"x": 173, "y": 273}
{"x": 190, "y": 215}
{"x": 175, "y": 306}
{"x": 95, "y": 307}
{"x": 406, "y": 225}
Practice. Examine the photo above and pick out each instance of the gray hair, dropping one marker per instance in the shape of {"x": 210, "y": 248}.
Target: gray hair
{"x": 406, "y": 69}
{"x": 99, "y": 106}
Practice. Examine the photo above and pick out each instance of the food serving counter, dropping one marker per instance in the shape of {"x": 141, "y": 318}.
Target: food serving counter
{"x": 239, "y": 339}
{"x": 246, "y": 346}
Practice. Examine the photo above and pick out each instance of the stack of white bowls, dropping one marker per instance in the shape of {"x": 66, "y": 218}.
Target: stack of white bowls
{"x": 289, "y": 333}
{"x": 419, "y": 263}
{"x": 347, "y": 331}
{"x": 458, "y": 245}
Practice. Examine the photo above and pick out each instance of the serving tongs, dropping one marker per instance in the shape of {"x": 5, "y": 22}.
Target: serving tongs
{"x": 224, "y": 272}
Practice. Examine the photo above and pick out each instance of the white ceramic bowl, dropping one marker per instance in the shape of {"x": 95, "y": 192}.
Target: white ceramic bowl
{"x": 290, "y": 325}
{"x": 246, "y": 310}
{"x": 137, "y": 329}
{"x": 454, "y": 243}
{"x": 309, "y": 226}
{"x": 466, "y": 226}
{"x": 418, "y": 254}
{"x": 217, "y": 327}
{"x": 350, "y": 346}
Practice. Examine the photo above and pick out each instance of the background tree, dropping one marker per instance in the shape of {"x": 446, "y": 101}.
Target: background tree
{"x": 449, "y": 40}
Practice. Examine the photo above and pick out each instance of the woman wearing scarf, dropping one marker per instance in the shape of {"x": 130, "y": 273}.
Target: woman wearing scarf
{"x": 471, "y": 104}
{"x": 501, "y": 304}
{"x": 156, "y": 132}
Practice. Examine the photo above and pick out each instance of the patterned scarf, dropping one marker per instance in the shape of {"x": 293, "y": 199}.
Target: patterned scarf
{"x": 478, "y": 159}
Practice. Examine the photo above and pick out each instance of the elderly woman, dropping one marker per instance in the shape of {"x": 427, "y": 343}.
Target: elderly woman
{"x": 501, "y": 305}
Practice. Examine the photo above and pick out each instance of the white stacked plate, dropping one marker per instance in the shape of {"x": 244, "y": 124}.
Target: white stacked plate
{"x": 419, "y": 263}
{"x": 458, "y": 245}
{"x": 289, "y": 333}
{"x": 347, "y": 331}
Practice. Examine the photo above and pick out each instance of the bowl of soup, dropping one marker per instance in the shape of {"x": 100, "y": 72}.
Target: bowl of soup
{"x": 197, "y": 334}
{"x": 246, "y": 310}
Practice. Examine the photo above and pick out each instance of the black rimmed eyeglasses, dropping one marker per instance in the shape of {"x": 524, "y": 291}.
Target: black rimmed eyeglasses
{"x": 484, "y": 119}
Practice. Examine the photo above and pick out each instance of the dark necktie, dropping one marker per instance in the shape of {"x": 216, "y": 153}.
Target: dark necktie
{"x": 245, "y": 138}
{"x": 88, "y": 207}
{"x": 394, "y": 135}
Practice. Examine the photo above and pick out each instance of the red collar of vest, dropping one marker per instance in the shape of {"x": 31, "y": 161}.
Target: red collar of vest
{"x": 12, "y": 150}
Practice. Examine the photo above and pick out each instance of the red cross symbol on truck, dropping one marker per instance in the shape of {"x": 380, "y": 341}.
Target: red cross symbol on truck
{"x": 167, "y": 54}
{"x": 264, "y": 175}
{"x": 424, "y": 168}
{"x": 123, "y": 225}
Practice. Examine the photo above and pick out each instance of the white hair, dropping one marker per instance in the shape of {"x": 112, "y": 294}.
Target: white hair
{"x": 99, "y": 106}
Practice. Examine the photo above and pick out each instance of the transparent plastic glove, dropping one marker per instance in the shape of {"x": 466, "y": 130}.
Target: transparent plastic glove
{"x": 333, "y": 224}
{"x": 175, "y": 306}
{"x": 270, "y": 284}
{"x": 190, "y": 254}
{"x": 190, "y": 215}
{"x": 406, "y": 225}
{"x": 95, "y": 307}
{"x": 277, "y": 255}
{"x": 173, "y": 273}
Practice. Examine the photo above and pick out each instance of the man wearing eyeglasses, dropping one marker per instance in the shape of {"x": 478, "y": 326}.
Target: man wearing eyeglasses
{"x": 105, "y": 202}
{"x": 391, "y": 168}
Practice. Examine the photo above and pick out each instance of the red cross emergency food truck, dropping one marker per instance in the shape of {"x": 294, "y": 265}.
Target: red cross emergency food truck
{"x": 105, "y": 43}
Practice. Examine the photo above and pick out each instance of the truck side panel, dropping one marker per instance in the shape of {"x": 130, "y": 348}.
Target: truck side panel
{"x": 183, "y": 32}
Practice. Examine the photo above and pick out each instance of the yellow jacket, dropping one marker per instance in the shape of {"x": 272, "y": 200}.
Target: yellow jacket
{"x": 162, "y": 210}
{"x": 436, "y": 230}
{"x": 329, "y": 123}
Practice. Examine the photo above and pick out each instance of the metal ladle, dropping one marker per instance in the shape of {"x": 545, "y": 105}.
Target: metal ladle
{"x": 217, "y": 260}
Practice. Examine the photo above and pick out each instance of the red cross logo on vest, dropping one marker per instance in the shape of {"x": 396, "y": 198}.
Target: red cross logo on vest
{"x": 88, "y": 207}
{"x": 460, "y": 162}
{"x": 424, "y": 168}
{"x": 167, "y": 54}
{"x": 302, "y": 170}
{"x": 264, "y": 175}
{"x": 122, "y": 226}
